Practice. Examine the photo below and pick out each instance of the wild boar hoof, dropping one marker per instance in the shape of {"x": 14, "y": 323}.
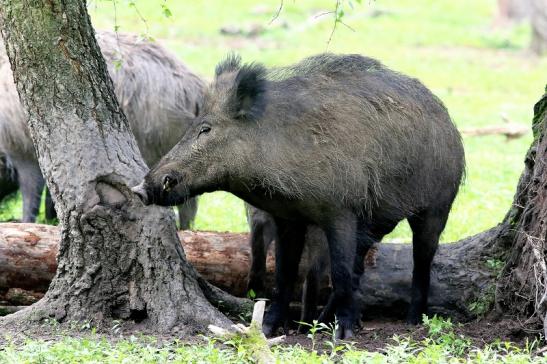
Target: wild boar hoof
{"x": 413, "y": 318}
{"x": 268, "y": 330}
{"x": 344, "y": 333}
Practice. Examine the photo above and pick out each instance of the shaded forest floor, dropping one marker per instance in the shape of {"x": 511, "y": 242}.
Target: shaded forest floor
{"x": 372, "y": 336}
{"x": 378, "y": 341}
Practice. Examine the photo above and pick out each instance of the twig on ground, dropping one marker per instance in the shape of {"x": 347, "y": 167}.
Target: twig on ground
{"x": 252, "y": 336}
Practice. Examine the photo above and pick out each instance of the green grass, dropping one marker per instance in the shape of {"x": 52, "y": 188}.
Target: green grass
{"x": 479, "y": 72}
{"x": 441, "y": 345}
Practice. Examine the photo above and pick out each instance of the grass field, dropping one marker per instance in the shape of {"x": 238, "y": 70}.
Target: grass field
{"x": 480, "y": 73}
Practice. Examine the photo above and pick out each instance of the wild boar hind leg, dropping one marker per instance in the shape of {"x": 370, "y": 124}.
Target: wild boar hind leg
{"x": 365, "y": 240}
{"x": 426, "y": 230}
{"x": 288, "y": 251}
{"x": 341, "y": 237}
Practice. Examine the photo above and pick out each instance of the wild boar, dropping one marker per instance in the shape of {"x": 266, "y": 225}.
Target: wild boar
{"x": 335, "y": 141}
{"x": 159, "y": 95}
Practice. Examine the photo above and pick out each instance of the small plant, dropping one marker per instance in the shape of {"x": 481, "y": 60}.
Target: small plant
{"x": 332, "y": 328}
{"x": 483, "y": 303}
{"x": 437, "y": 325}
{"x": 314, "y": 328}
{"x": 441, "y": 333}
{"x": 249, "y": 341}
{"x": 495, "y": 264}
{"x": 51, "y": 322}
{"x": 245, "y": 317}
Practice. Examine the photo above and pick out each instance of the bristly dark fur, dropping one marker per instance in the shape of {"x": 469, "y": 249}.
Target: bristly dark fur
{"x": 251, "y": 91}
{"x": 230, "y": 64}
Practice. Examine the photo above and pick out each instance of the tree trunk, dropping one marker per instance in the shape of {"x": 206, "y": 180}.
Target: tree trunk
{"x": 539, "y": 26}
{"x": 516, "y": 10}
{"x": 117, "y": 259}
{"x": 521, "y": 289}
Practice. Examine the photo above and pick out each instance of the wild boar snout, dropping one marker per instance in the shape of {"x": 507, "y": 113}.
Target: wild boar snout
{"x": 140, "y": 191}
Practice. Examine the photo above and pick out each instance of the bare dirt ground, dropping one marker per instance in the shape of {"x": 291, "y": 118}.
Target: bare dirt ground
{"x": 374, "y": 335}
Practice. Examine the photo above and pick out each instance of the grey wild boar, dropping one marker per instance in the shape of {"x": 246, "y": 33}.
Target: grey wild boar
{"x": 336, "y": 141}
{"x": 8, "y": 178}
{"x": 159, "y": 95}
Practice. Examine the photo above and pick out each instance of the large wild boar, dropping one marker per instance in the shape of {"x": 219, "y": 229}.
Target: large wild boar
{"x": 336, "y": 141}
{"x": 159, "y": 95}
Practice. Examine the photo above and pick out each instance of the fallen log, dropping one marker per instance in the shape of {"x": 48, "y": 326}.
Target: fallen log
{"x": 462, "y": 281}
{"x": 509, "y": 130}
{"x": 28, "y": 259}
{"x": 6, "y": 310}
{"x": 27, "y": 256}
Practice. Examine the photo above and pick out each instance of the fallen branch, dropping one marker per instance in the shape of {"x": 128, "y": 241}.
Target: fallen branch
{"x": 509, "y": 130}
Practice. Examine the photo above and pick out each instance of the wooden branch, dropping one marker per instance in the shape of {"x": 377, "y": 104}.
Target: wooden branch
{"x": 510, "y": 130}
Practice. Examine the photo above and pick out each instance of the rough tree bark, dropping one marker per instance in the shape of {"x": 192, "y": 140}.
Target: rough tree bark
{"x": 117, "y": 259}
{"x": 516, "y": 10}
{"x": 521, "y": 289}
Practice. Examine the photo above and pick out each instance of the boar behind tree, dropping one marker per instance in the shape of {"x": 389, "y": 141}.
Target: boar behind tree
{"x": 158, "y": 94}
{"x": 337, "y": 141}
{"x": 8, "y": 178}
{"x": 313, "y": 267}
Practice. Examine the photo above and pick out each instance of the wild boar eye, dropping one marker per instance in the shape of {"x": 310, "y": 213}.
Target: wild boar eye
{"x": 204, "y": 129}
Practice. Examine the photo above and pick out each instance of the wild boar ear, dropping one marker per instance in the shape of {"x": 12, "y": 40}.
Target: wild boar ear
{"x": 230, "y": 64}
{"x": 250, "y": 88}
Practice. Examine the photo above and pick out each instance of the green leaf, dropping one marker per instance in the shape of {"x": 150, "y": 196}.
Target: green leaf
{"x": 339, "y": 14}
{"x": 166, "y": 11}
